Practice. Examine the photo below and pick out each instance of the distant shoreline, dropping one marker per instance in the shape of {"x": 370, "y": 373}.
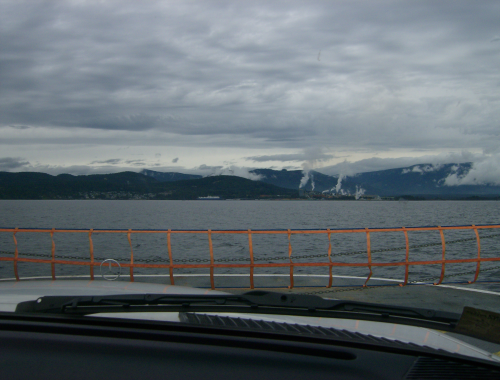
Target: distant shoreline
{"x": 260, "y": 200}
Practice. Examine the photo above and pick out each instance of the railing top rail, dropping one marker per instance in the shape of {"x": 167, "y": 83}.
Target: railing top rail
{"x": 244, "y": 231}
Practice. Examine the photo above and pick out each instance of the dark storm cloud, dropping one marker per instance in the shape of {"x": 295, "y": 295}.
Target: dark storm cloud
{"x": 291, "y": 157}
{"x": 112, "y": 161}
{"x": 117, "y": 161}
{"x": 208, "y": 168}
{"x": 11, "y": 163}
{"x": 21, "y": 127}
{"x": 135, "y": 162}
{"x": 226, "y": 69}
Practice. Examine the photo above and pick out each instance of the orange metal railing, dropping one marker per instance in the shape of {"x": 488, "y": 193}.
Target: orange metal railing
{"x": 252, "y": 265}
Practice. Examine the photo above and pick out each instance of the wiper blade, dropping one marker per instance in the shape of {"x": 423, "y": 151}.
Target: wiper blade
{"x": 116, "y": 303}
{"x": 250, "y": 302}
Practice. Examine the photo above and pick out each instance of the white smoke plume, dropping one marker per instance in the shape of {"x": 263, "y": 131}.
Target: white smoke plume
{"x": 339, "y": 184}
{"x": 359, "y": 192}
{"x": 304, "y": 179}
{"x": 315, "y": 156}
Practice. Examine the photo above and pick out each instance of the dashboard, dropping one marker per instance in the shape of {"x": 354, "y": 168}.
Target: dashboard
{"x": 102, "y": 348}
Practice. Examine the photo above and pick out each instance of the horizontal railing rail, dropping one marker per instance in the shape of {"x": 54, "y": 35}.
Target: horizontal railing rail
{"x": 212, "y": 263}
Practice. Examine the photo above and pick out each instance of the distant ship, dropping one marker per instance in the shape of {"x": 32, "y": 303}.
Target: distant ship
{"x": 210, "y": 198}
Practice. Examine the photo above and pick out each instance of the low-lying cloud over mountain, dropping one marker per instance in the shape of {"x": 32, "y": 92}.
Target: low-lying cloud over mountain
{"x": 421, "y": 179}
{"x": 481, "y": 173}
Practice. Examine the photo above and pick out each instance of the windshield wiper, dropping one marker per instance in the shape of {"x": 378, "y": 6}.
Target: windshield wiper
{"x": 260, "y": 302}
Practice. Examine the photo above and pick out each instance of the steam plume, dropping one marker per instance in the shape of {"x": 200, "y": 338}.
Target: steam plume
{"x": 359, "y": 192}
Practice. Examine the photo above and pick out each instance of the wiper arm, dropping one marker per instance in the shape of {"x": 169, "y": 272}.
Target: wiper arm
{"x": 313, "y": 303}
{"x": 250, "y": 302}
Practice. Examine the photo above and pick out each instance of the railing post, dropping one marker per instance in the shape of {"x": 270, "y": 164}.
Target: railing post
{"x": 330, "y": 280}
{"x": 250, "y": 248}
{"x": 369, "y": 252}
{"x": 131, "y": 256}
{"x": 53, "y": 265}
{"x": 91, "y": 244}
{"x": 212, "y": 282}
{"x": 290, "y": 258}
{"x": 478, "y": 266}
{"x": 444, "y": 251}
{"x": 16, "y": 254}
{"x": 169, "y": 247}
{"x": 407, "y": 266}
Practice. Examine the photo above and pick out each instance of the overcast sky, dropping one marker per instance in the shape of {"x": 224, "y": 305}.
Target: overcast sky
{"x": 201, "y": 86}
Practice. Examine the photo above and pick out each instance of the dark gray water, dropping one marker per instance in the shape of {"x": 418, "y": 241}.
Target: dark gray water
{"x": 242, "y": 215}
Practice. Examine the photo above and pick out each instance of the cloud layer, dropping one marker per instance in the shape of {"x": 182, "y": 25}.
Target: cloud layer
{"x": 286, "y": 81}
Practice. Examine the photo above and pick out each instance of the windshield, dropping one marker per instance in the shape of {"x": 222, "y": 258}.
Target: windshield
{"x": 344, "y": 149}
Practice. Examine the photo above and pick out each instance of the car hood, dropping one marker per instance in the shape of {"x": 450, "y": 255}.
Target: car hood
{"x": 12, "y": 293}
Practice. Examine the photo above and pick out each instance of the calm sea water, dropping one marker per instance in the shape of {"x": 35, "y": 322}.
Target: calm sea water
{"x": 242, "y": 215}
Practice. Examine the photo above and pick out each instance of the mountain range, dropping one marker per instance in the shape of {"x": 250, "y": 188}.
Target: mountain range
{"x": 424, "y": 181}
{"x": 418, "y": 180}
{"x": 131, "y": 185}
